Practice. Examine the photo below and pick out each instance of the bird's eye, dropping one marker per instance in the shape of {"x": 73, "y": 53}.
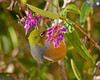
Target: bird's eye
{"x": 42, "y": 34}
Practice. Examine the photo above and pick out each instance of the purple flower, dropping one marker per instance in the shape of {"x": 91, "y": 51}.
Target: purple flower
{"x": 23, "y": 20}
{"x": 63, "y": 29}
{"x": 49, "y": 29}
{"x": 39, "y": 16}
{"x": 61, "y": 34}
{"x": 49, "y": 33}
{"x": 55, "y": 34}
{"x": 56, "y": 43}
{"x": 55, "y": 27}
{"x": 28, "y": 12}
{"x": 30, "y": 20}
{"x": 34, "y": 22}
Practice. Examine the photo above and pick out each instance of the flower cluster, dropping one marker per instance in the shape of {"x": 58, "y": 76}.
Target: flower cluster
{"x": 55, "y": 34}
{"x": 30, "y": 20}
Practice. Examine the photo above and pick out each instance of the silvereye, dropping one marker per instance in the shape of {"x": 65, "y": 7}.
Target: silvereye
{"x": 43, "y": 51}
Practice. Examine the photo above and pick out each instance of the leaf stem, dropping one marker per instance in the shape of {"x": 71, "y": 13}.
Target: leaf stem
{"x": 66, "y": 57}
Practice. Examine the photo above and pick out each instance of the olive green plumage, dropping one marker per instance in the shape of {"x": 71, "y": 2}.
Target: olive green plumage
{"x": 36, "y": 37}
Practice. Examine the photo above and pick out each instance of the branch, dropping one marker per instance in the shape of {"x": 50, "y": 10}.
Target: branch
{"x": 45, "y": 9}
{"x": 46, "y": 6}
{"x": 13, "y": 3}
{"x": 95, "y": 44}
{"x": 65, "y": 3}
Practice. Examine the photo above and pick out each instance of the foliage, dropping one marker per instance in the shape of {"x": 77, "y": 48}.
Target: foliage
{"x": 76, "y": 72}
{"x": 85, "y": 11}
{"x": 80, "y": 63}
{"x": 43, "y": 13}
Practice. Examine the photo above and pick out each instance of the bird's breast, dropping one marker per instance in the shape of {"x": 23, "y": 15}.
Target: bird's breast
{"x": 48, "y": 52}
{"x": 55, "y": 53}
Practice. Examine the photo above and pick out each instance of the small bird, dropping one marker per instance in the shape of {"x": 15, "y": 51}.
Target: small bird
{"x": 42, "y": 51}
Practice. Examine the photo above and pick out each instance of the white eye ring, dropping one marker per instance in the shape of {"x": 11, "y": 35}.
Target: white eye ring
{"x": 42, "y": 34}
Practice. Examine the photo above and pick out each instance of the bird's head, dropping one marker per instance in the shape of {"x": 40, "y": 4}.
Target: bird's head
{"x": 37, "y": 37}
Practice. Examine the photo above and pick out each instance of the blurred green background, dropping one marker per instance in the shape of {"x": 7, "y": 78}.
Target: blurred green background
{"x": 23, "y": 66}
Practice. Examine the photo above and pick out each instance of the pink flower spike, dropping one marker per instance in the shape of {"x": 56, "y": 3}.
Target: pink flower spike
{"x": 55, "y": 27}
{"x": 30, "y": 20}
{"x": 55, "y": 34}
{"x": 55, "y": 43}
{"x": 22, "y": 20}
{"x": 27, "y": 12}
{"x": 49, "y": 29}
{"x": 49, "y": 33}
{"x": 39, "y": 16}
{"x": 62, "y": 29}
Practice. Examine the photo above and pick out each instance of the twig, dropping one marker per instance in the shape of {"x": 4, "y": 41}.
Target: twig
{"x": 65, "y": 3}
{"x": 45, "y": 9}
{"x": 46, "y": 6}
{"x": 95, "y": 44}
{"x": 46, "y": 24}
{"x": 13, "y": 3}
{"x": 53, "y": 4}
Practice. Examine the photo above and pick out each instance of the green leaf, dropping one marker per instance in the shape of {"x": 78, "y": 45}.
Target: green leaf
{"x": 73, "y": 8}
{"x": 13, "y": 36}
{"x": 70, "y": 8}
{"x": 43, "y": 13}
{"x": 75, "y": 70}
{"x": 6, "y": 44}
{"x": 85, "y": 11}
{"x": 76, "y": 42}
